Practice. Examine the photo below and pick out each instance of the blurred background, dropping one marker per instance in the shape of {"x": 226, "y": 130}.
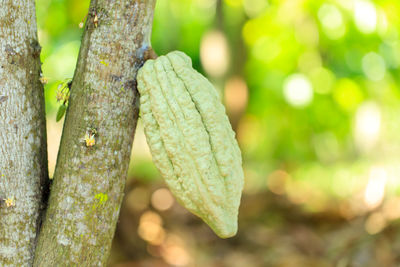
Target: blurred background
{"x": 312, "y": 90}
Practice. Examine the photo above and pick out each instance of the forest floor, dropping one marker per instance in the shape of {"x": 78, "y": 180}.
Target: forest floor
{"x": 272, "y": 232}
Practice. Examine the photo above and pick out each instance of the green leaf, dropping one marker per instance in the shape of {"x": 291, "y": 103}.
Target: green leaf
{"x": 61, "y": 112}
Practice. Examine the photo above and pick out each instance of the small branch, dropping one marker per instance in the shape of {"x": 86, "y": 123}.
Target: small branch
{"x": 97, "y": 137}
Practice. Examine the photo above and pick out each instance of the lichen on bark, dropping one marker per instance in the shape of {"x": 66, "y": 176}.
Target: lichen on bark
{"x": 89, "y": 180}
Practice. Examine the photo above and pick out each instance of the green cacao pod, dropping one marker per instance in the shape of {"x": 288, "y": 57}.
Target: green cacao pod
{"x": 191, "y": 140}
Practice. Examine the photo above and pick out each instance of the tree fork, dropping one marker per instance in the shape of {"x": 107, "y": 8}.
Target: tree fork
{"x": 89, "y": 179}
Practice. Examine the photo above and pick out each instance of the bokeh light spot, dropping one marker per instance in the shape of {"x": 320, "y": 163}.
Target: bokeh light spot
{"x": 375, "y": 223}
{"x": 375, "y": 189}
{"x": 137, "y": 199}
{"x": 373, "y": 66}
{"x": 365, "y": 16}
{"x": 252, "y": 31}
{"x": 348, "y": 94}
{"x": 322, "y": 80}
{"x": 391, "y": 208}
{"x": 174, "y": 252}
{"x": 162, "y": 199}
{"x": 367, "y": 125}
{"x": 236, "y": 95}
{"x": 150, "y": 228}
{"x": 332, "y": 21}
{"x": 214, "y": 53}
{"x": 298, "y": 90}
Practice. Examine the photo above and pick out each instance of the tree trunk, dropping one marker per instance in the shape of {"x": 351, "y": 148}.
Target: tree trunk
{"x": 23, "y": 154}
{"x": 89, "y": 180}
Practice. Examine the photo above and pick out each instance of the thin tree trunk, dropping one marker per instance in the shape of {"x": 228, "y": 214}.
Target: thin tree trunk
{"x": 23, "y": 154}
{"x": 89, "y": 180}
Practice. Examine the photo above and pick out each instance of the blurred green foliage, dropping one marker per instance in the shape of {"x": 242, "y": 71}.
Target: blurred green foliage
{"x": 321, "y": 88}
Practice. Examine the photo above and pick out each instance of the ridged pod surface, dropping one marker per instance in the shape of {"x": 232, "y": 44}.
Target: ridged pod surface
{"x": 191, "y": 140}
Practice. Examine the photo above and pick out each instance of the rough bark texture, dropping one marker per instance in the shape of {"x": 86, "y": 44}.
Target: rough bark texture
{"x": 89, "y": 181}
{"x": 23, "y": 156}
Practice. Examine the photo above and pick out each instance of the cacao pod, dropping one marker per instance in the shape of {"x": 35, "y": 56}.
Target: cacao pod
{"x": 191, "y": 140}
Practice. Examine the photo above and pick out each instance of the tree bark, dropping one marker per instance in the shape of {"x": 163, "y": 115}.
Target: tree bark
{"x": 23, "y": 154}
{"x": 89, "y": 180}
